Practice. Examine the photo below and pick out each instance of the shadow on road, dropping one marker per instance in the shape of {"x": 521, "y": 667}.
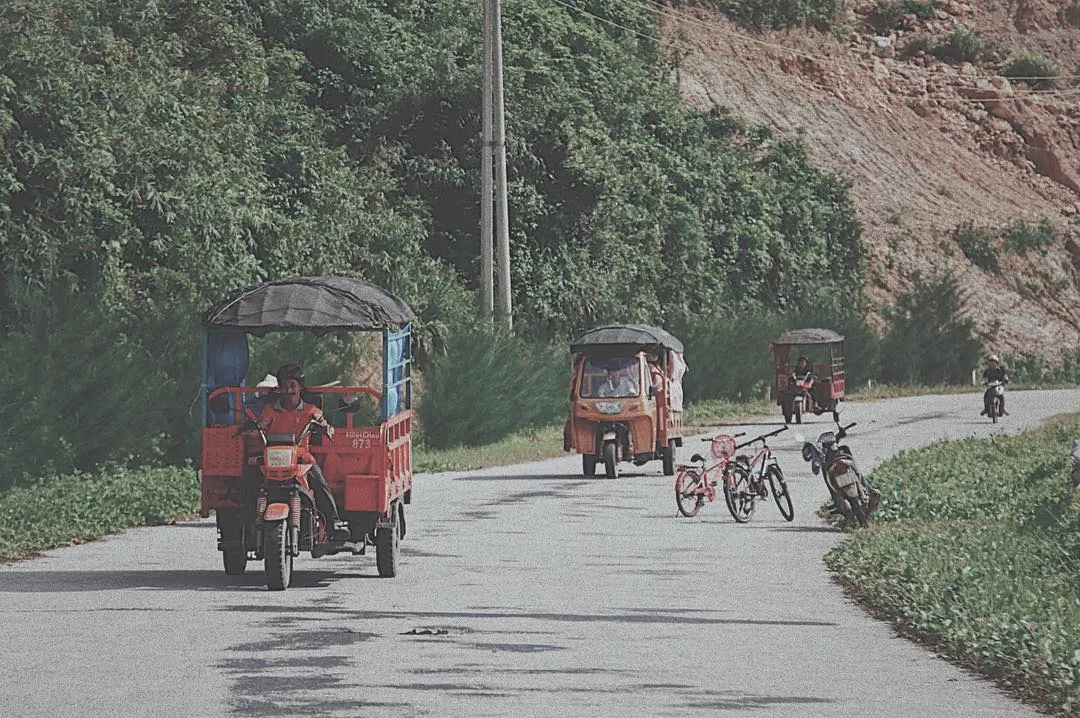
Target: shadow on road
{"x": 199, "y": 580}
{"x": 628, "y": 616}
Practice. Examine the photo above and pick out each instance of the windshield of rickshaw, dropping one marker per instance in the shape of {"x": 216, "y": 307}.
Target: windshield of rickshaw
{"x": 610, "y": 377}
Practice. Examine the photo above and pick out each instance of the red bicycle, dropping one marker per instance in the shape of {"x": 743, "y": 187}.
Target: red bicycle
{"x": 695, "y": 483}
{"x": 745, "y": 481}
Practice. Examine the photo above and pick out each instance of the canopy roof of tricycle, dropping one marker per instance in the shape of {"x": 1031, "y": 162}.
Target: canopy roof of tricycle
{"x": 809, "y": 336}
{"x": 614, "y": 336}
{"x": 319, "y": 303}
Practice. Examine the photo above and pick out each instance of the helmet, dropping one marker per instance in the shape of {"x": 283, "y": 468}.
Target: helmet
{"x": 993, "y": 357}
{"x": 290, "y": 371}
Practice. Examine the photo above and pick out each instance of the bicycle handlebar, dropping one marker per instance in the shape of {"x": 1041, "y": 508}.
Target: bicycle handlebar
{"x": 762, "y": 438}
{"x": 741, "y": 433}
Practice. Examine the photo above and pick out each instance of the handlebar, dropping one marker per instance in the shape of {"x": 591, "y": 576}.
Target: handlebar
{"x": 762, "y": 438}
{"x": 709, "y": 440}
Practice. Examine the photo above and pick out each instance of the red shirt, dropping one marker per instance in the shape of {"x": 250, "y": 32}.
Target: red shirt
{"x": 276, "y": 419}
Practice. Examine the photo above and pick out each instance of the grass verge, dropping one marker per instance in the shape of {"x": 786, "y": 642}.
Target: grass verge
{"x": 976, "y": 551}
{"x": 76, "y": 508}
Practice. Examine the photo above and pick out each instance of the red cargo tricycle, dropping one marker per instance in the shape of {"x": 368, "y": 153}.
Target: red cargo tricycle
{"x": 255, "y": 482}
{"x": 824, "y": 349}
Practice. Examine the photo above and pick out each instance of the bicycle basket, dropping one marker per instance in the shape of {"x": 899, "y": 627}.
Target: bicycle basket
{"x": 723, "y": 446}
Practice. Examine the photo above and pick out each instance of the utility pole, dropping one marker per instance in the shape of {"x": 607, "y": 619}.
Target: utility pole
{"x": 486, "y": 186}
{"x": 493, "y": 159}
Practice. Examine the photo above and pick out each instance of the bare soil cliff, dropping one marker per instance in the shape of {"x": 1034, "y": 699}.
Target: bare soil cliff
{"x": 927, "y": 145}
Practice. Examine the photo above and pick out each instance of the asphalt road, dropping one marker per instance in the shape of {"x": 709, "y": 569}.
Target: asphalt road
{"x": 524, "y": 590}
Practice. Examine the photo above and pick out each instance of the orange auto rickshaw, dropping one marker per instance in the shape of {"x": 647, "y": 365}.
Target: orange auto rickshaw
{"x": 625, "y": 397}
{"x": 824, "y": 350}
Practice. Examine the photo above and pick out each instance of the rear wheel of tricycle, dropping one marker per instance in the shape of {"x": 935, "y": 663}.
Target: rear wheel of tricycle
{"x": 233, "y": 551}
{"x": 388, "y": 547}
{"x": 611, "y": 463}
{"x": 588, "y": 465}
{"x": 780, "y": 492}
{"x": 687, "y": 495}
{"x": 669, "y": 458}
{"x": 277, "y": 558}
{"x": 235, "y": 560}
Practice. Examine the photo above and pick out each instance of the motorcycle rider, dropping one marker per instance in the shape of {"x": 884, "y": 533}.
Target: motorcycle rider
{"x": 290, "y": 414}
{"x": 802, "y": 372}
{"x": 994, "y": 372}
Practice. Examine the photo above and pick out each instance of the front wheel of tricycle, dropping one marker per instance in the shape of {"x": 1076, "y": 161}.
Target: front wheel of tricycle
{"x": 669, "y": 458}
{"x": 388, "y": 548}
{"x": 588, "y": 465}
{"x": 277, "y": 558}
{"x": 611, "y": 462}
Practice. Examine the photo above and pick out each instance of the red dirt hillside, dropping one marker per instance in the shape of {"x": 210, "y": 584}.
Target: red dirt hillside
{"x": 928, "y": 145}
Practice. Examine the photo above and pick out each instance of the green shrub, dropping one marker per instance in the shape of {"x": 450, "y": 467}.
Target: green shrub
{"x": 917, "y": 44}
{"x": 1037, "y": 71}
{"x": 929, "y": 341}
{"x": 977, "y": 244}
{"x": 963, "y": 44}
{"x": 1028, "y": 369}
{"x": 890, "y": 15}
{"x": 489, "y": 384}
{"x": 61, "y": 509}
{"x": 778, "y": 14}
{"x": 1021, "y": 236}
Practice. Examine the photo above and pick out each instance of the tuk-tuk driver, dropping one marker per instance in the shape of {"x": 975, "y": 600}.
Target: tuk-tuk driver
{"x": 802, "y": 371}
{"x": 616, "y": 384}
{"x": 289, "y": 414}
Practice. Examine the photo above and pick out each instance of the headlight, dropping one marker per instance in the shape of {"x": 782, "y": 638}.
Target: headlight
{"x": 279, "y": 458}
{"x": 609, "y": 407}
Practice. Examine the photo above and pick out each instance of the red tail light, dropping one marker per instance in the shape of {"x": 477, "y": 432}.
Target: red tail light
{"x": 839, "y": 468}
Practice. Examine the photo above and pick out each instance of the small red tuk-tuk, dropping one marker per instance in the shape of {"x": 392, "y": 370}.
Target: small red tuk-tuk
{"x": 625, "y": 397}
{"x": 824, "y": 349}
{"x": 368, "y": 467}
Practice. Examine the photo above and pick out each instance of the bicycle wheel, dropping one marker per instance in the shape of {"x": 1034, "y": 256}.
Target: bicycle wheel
{"x": 780, "y": 492}
{"x": 737, "y": 494}
{"x": 687, "y": 492}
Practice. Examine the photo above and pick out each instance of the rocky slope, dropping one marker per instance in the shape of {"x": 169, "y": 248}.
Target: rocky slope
{"x": 928, "y": 145}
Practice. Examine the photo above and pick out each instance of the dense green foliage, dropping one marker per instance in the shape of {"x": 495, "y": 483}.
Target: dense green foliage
{"x": 61, "y": 509}
{"x": 929, "y": 340}
{"x": 490, "y": 384}
{"x": 155, "y": 156}
{"x": 978, "y": 551}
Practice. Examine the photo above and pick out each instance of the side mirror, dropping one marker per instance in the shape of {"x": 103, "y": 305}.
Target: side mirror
{"x": 839, "y": 407}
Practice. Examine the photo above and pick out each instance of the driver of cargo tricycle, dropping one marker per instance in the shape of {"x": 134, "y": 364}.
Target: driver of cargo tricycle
{"x": 290, "y": 414}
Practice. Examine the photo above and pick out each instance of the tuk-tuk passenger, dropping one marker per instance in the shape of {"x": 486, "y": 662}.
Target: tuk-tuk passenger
{"x": 290, "y": 414}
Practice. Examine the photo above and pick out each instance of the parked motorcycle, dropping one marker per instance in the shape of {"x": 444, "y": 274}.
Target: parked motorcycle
{"x": 996, "y": 390}
{"x": 850, "y": 494}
